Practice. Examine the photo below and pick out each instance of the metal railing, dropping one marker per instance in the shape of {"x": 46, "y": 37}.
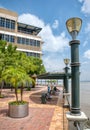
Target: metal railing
{"x": 77, "y": 125}
{"x": 87, "y": 125}
{"x": 68, "y": 101}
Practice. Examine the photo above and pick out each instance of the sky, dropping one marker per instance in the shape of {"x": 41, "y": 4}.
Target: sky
{"x": 51, "y": 16}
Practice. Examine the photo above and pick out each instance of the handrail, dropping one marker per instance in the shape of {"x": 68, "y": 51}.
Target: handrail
{"x": 77, "y": 125}
{"x": 87, "y": 124}
{"x": 68, "y": 101}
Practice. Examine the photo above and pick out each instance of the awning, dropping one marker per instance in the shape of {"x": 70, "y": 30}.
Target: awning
{"x": 53, "y": 76}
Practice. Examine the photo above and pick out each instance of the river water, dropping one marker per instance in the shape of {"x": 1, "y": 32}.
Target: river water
{"x": 85, "y": 97}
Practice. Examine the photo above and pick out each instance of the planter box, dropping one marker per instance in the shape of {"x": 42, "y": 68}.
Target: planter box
{"x": 18, "y": 111}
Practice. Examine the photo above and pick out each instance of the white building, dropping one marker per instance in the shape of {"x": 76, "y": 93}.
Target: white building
{"x": 24, "y": 36}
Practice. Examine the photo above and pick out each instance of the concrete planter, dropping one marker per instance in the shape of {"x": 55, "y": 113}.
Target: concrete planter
{"x": 18, "y": 111}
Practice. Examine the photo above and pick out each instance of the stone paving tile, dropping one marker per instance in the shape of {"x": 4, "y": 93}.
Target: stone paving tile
{"x": 41, "y": 116}
{"x": 57, "y": 120}
{"x": 38, "y": 118}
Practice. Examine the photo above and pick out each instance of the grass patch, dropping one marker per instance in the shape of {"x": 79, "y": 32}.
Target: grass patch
{"x": 18, "y": 103}
{"x": 1, "y": 96}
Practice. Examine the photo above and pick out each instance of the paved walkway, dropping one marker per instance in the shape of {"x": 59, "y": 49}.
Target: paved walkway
{"x": 49, "y": 116}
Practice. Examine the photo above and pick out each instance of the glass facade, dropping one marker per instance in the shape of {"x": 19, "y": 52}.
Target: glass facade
{"x": 33, "y": 54}
{"x": 26, "y": 41}
{"x": 11, "y": 39}
{"x": 7, "y": 23}
{"x": 8, "y": 38}
{"x": 24, "y": 30}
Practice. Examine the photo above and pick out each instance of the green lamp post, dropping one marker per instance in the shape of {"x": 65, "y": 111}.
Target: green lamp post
{"x": 66, "y": 61}
{"x": 73, "y": 27}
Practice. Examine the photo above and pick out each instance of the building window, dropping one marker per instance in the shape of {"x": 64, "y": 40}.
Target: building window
{"x": 38, "y": 43}
{"x": 32, "y": 54}
{"x": 34, "y": 42}
{"x": 24, "y": 30}
{"x": 2, "y": 22}
{"x": 12, "y": 39}
{"x": 38, "y": 55}
{"x": 2, "y": 36}
{"x": 19, "y": 40}
{"x": 12, "y": 24}
{"x": 23, "y": 40}
{"x": 31, "y": 42}
{"x": 27, "y": 41}
{"x": 8, "y": 38}
{"x": 7, "y": 23}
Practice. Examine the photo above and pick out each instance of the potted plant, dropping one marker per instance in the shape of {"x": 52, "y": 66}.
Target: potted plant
{"x": 18, "y": 78}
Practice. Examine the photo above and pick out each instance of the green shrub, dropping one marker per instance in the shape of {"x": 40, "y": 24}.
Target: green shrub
{"x": 1, "y": 96}
{"x": 18, "y": 103}
{"x": 28, "y": 89}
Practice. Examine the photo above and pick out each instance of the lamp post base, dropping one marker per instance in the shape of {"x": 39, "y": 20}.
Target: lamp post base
{"x": 72, "y": 120}
{"x": 75, "y": 111}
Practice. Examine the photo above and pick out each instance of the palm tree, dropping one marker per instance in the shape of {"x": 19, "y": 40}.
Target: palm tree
{"x": 17, "y": 77}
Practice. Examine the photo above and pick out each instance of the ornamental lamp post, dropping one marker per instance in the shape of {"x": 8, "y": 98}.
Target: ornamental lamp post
{"x": 73, "y": 27}
{"x": 66, "y": 93}
{"x": 66, "y": 61}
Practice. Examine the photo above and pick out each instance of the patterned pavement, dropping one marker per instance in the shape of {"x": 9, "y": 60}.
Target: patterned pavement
{"x": 49, "y": 116}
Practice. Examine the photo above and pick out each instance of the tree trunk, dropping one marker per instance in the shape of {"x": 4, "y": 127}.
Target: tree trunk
{"x": 21, "y": 93}
{"x": 2, "y": 84}
{"x": 16, "y": 94}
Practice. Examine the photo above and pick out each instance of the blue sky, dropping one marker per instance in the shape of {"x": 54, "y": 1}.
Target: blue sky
{"x": 51, "y": 16}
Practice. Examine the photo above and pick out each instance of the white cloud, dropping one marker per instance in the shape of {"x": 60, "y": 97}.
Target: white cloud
{"x": 31, "y": 19}
{"x": 87, "y": 29}
{"x": 55, "y": 24}
{"x": 80, "y": 0}
{"x": 54, "y": 64}
{"x": 2, "y": 6}
{"x": 84, "y": 63}
{"x": 86, "y": 6}
{"x": 85, "y": 70}
{"x": 85, "y": 43}
{"x": 52, "y": 43}
{"x": 87, "y": 54}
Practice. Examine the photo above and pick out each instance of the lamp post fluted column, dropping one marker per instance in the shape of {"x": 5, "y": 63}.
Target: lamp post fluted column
{"x": 66, "y": 80}
{"x": 75, "y": 91}
{"x": 66, "y": 93}
{"x": 75, "y": 117}
{"x": 66, "y": 86}
{"x": 74, "y": 26}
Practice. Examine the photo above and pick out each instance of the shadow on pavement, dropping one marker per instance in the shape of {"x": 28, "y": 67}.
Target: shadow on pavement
{"x": 36, "y": 98}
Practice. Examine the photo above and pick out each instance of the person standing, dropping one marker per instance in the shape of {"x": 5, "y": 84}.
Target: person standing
{"x": 48, "y": 89}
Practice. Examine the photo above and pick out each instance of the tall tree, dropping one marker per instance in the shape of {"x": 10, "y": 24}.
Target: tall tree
{"x": 10, "y": 57}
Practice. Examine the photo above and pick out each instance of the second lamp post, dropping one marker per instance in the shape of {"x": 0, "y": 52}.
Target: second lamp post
{"x": 66, "y": 86}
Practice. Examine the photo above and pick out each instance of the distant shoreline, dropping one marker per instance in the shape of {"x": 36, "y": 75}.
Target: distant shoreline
{"x": 84, "y": 81}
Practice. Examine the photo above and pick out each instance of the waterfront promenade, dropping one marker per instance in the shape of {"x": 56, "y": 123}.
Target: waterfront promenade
{"x": 49, "y": 116}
